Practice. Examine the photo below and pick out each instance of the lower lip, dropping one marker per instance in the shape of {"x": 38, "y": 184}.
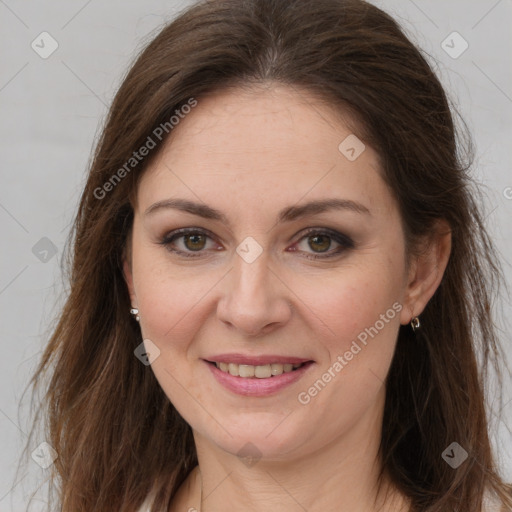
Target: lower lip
{"x": 254, "y": 386}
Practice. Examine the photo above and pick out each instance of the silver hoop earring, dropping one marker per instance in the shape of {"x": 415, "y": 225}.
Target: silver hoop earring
{"x": 135, "y": 313}
{"x": 415, "y": 323}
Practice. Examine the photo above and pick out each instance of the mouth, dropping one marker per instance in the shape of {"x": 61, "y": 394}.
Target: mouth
{"x": 265, "y": 371}
{"x": 261, "y": 380}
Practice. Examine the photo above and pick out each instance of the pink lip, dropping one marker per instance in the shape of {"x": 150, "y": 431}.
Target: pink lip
{"x": 258, "y": 387}
{"x": 255, "y": 360}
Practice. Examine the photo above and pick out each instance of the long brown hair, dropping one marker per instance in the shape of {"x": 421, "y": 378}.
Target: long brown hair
{"x": 116, "y": 434}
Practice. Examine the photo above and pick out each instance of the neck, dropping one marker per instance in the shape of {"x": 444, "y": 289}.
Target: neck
{"x": 341, "y": 476}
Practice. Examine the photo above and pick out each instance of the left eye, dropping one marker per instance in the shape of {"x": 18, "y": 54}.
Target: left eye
{"x": 320, "y": 241}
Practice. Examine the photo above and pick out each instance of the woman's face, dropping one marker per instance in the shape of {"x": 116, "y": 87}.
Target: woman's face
{"x": 265, "y": 279}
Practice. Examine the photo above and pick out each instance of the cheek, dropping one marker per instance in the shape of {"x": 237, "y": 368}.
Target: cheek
{"x": 349, "y": 302}
{"x": 357, "y": 318}
{"x": 169, "y": 298}
{"x": 172, "y": 303}
{"x": 356, "y": 314}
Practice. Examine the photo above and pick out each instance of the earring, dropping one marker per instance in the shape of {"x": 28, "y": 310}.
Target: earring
{"x": 135, "y": 313}
{"x": 415, "y": 323}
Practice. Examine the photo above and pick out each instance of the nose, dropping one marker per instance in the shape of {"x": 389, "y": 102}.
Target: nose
{"x": 255, "y": 300}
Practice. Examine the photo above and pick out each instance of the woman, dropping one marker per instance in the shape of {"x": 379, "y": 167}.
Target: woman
{"x": 280, "y": 279}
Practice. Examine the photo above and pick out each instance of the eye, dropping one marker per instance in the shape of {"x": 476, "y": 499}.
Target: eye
{"x": 320, "y": 241}
{"x": 194, "y": 240}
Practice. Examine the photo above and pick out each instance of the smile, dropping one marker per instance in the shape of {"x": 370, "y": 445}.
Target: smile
{"x": 257, "y": 380}
{"x": 259, "y": 372}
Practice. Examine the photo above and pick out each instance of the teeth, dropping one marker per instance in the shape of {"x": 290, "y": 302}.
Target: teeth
{"x": 246, "y": 370}
{"x": 260, "y": 372}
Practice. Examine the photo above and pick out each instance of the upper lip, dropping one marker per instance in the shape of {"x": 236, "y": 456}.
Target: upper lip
{"x": 255, "y": 360}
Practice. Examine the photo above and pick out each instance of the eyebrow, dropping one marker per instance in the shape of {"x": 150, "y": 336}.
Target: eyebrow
{"x": 287, "y": 214}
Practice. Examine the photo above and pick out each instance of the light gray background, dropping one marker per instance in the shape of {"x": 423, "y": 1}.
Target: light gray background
{"x": 51, "y": 110}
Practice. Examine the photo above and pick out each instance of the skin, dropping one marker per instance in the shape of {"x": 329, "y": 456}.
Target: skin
{"x": 249, "y": 153}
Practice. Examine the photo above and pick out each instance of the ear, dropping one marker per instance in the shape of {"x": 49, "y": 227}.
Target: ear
{"x": 426, "y": 271}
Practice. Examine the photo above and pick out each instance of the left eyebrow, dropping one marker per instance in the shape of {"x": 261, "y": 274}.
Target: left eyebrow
{"x": 314, "y": 207}
{"x": 287, "y": 214}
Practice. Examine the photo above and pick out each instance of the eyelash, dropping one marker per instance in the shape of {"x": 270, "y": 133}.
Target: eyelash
{"x": 344, "y": 241}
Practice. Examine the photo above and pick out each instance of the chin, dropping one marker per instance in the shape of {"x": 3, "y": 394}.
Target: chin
{"x": 255, "y": 439}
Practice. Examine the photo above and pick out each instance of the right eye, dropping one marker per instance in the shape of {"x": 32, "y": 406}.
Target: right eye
{"x": 193, "y": 240}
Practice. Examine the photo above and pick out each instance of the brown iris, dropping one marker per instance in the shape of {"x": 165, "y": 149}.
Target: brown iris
{"x": 197, "y": 241}
{"x": 322, "y": 242}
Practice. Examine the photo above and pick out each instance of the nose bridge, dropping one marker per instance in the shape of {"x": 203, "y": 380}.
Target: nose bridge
{"x": 253, "y": 298}
{"x": 250, "y": 275}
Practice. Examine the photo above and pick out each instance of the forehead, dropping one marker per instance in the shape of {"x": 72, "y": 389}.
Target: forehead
{"x": 262, "y": 146}
{"x": 277, "y": 120}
